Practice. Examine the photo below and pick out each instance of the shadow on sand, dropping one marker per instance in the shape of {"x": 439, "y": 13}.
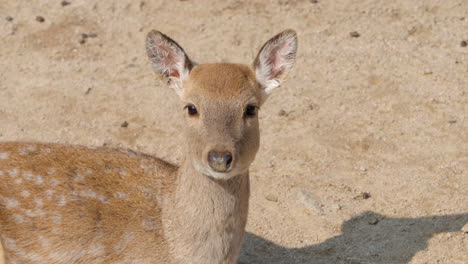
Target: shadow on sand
{"x": 366, "y": 238}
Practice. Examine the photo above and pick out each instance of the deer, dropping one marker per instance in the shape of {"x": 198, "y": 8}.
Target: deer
{"x": 76, "y": 204}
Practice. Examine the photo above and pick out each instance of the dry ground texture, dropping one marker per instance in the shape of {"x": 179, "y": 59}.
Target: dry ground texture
{"x": 364, "y": 150}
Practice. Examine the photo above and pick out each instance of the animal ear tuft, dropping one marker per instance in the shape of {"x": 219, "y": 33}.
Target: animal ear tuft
{"x": 275, "y": 60}
{"x": 168, "y": 59}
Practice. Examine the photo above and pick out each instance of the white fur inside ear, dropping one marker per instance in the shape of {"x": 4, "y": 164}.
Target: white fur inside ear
{"x": 270, "y": 85}
{"x": 168, "y": 59}
{"x": 275, "y": 60}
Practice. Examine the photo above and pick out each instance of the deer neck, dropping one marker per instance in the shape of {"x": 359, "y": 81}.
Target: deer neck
{"x": 207, "y": 217}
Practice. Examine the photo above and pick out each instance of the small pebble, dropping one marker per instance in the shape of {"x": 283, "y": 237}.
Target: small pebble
{"x": 40, "y": 19}
{"x": 88, "y": 91}
{"x": 65, "y": 3}
{"x": 465, "y": 229}
{"x": 124, "y": 124}
{"x": 373, "y": 221}
{"x": 272, "y": 198}
{"x": 452, "y": 121}
{"x": 314, "y": 1}
{"x": 84, "y": 35}
{"x": 464, "y": 43}
{"x": 9, "y": 18}
{"x": 82, "y": 41}
{"x": 92, "y": 35}
{"x": 310, "y": 201}
{"x": 355, "y": 34}
{"x": 282, "y": 113}
{"x": 363, "y": 195}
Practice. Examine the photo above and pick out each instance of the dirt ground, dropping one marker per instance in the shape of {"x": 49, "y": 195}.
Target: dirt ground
{"x": 364, "y": 152}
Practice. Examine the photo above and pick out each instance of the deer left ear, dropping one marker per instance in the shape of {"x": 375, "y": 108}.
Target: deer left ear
{"x": 168, "y": 59}
{"x": 275, "y": 59}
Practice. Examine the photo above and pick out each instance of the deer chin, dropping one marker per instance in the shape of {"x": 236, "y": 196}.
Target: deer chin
{"x": 208, "y": 172}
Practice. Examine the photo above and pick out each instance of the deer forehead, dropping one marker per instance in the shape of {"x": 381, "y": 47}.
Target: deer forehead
{"x": 222, "y": 82}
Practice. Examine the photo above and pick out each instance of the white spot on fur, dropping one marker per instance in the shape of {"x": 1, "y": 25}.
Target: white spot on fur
{"x": 22, "y": 151}
{"x": 145, "y": 165}
{"x": 78, "y": 177}
{"x": 54, "y": 182}
{"x": 61, "y": 200}
{"x": 127, "y": 238}
{"x": 121, "y": 172}
{"x": 18, "y": 181}
{"x": 4, "y": 155}
{"x": 46, "y": 150}
{"x": 91, "y": 194}
{"x": 28, "y": 176}
{"x": 121, "y": 195}
{"x": 51, "y": 171}
{"x": 40, "y": 213}
{"x": 89, "y": 171}
{"x": 149, "y": 223}
{"x": 49, "y": 193}
{"x": 56, "y": 218}
{"x": 96, "y": 250}
{"x": 39, "y": 179}
{"x": 19, "y": 218}
{"x": 12, "y": 246}
{"x": 34, "y": 213}
{"x": 159, "y": 199}
{"x": 13, "y": 172}
{"x": 29, "y": 213}
{"x": 102, "y": 198}
{"x": 31, "y": 148}
{"x": 1, "y": 173}
{"x": 11, "y": 203}
{"x": 25, "y": 194}
{"x": 148, "y": 192}
{"x": 39, "y": 202}
{"x": 45, "y": 243}
{"x": 9, "y": 243}
{"x": 74, "y": 195}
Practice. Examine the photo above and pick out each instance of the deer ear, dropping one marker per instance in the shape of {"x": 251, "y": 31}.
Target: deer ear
{"x": 168, "y": 59}
{"x": 275, "y": 59}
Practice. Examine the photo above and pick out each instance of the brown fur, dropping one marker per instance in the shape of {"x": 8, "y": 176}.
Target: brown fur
{"x": 222, "y": 81}
{"x": 81, "y": 209}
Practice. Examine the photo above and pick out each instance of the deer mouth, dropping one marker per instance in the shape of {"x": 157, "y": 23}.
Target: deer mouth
{"x": 207, "y": 171}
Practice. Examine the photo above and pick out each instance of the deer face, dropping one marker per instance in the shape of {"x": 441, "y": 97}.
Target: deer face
{"x": 221, "y": 104}
{"x": 221, "y": 101}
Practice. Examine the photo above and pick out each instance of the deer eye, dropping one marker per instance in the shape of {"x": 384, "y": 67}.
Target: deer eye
{"x": 250, "y": 110}
{"x": 191, "y": 110}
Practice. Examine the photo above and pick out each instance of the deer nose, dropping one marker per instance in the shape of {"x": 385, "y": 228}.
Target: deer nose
{"x": 220, "y": 161}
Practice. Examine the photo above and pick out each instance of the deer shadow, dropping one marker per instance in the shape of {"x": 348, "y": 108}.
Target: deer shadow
{"x": 366, "y": 238}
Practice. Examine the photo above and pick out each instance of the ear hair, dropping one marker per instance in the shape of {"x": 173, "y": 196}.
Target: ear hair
{"x": 168, "y": 59}
{"x": 275, "y": 59}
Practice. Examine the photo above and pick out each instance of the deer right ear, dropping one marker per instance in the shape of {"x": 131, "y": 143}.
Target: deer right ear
{"x": 168, "y": 59}
{"x": 275, "y": 60}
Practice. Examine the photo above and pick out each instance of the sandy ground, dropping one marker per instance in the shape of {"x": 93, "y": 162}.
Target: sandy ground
{"x": 364, "y": 150}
